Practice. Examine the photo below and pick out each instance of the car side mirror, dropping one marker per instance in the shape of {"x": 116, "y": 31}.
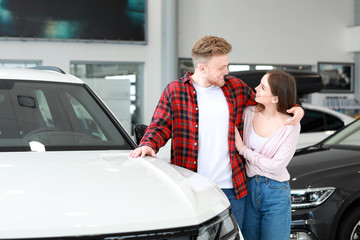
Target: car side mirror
{"x": 139, "y": 131}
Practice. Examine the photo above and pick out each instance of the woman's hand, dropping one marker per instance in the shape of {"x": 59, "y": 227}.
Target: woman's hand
{"x": 239, "y": 144}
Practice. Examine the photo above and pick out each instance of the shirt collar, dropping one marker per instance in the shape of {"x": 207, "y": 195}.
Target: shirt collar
{"x": 186, "y": 78}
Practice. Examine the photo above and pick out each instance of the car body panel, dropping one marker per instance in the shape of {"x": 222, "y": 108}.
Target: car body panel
{"x": 90, "y": 192}
{"x": 310, "y": 138}
{"x": 323, "y": 221}
{"x": 327, "y": 164}
{"x": 33, "y": 75}
{"x": 322, "y": 164}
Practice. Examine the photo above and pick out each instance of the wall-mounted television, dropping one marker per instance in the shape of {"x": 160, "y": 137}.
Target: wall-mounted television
{"x": 74, "y": 20}
{"x": 337, "y": 76}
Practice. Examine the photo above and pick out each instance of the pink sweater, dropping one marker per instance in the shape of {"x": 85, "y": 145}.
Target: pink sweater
{"x": 271, "y": 158}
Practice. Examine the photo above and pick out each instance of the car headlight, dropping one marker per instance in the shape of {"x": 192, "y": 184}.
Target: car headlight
{"x": 310, "y": 197}
{"x": 223, "y": 226}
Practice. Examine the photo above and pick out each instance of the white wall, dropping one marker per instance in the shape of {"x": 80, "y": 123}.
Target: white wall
{"x": 273, "y": 31}
{"x": 270, "y": 31}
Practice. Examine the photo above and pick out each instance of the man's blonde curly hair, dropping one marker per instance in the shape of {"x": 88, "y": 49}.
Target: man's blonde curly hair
{"x": 209, "y": 46}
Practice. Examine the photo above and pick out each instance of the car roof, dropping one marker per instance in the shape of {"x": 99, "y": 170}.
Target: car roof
{"x": 45, "y": 74}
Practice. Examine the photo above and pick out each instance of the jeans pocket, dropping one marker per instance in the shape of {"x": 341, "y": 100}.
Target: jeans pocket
{"x": 278, "y": 185}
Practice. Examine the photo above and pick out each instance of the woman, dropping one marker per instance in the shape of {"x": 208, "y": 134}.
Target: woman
{"x": 268, "y": 148}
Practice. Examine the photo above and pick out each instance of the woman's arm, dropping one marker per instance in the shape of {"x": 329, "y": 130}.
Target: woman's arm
{"x": 284, "y": 153}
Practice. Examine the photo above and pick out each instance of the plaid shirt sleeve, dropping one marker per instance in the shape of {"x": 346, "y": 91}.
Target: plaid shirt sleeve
{"x": 159, "y": 131}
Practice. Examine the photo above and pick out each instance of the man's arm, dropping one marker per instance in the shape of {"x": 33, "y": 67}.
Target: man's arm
{"x": 159, "y": 131}
{"x": 298, "y": 115}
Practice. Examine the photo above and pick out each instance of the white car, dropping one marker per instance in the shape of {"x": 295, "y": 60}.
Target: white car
{"x": 65, "y": 171}
{"x": 319, "y": 123}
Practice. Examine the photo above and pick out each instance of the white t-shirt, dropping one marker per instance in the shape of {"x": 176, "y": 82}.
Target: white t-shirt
{"x": 213, "y": 158}
{"x": 255, "y": 140}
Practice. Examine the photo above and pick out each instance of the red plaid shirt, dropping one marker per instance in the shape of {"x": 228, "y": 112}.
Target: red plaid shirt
{"x": 177, "y": 117}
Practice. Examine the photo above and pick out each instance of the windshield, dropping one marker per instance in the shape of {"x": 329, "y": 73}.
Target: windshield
{"x": 54, "y": 116}
{"x": 347, "y": 137}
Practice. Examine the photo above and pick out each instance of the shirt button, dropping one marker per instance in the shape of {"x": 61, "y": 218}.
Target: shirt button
{"x": 196, "y": 126}
{"x": 194, "y": 92}
{"x": 194, "y": 162}
{"x": 196, "y": 109}
{"x": 195, "y": 144}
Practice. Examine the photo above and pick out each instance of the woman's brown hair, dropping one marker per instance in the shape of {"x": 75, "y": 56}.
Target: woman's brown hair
{"x": 282, "y": 85}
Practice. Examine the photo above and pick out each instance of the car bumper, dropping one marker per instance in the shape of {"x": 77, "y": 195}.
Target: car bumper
{"x": 313, "y": 223}
{"x": 302, "y": 230}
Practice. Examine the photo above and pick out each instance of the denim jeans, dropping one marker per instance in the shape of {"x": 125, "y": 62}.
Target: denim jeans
{"x": 267, "y": 210}
{"x": 237, "y": 205}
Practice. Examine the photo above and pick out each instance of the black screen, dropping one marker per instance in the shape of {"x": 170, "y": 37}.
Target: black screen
{"x": 113, "y": 20}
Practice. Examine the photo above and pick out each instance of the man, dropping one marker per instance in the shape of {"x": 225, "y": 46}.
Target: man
{"x": 199, "y": 112}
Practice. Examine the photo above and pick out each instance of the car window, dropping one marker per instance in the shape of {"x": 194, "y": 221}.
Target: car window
{"x": 317, "y": 121}
{"x": 313, "y": 121}
{"x": 88, "y": 124}
{"x": 333, "y": 123}
{"x": 347, "y": 137}
{"x": 60, "y": 116}
{"x": 44, "y": 108}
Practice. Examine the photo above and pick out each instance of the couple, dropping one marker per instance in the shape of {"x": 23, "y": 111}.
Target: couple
{"x": 218, "y": 125}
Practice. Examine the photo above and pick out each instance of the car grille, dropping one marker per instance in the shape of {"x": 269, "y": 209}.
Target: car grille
{"x": 176, "y": 234}
{"x": 221, "y": 227}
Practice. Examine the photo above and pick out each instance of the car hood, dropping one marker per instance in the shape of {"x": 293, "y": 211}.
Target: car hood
{"x": 47, "y": 194}
{"x": 309, "y": 167}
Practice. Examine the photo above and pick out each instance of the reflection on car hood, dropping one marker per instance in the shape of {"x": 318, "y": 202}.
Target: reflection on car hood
{"x": 311, "y": 166}
{"x": 80, "y": 193}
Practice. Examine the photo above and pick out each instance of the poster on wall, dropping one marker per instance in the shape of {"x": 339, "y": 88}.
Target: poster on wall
{"x": 74, "y": 20}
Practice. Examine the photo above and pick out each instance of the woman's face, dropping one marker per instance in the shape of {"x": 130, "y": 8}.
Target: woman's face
{"x": 263, "y": 92}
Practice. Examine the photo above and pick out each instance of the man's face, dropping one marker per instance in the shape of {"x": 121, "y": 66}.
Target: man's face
{"x": 215, "y": 70}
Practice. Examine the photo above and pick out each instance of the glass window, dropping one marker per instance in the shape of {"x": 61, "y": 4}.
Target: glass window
{"x": 19, "y": 63}
{"x": 119, "y": 85}
{"x": 88, "y": 124}
{"x": 60, "y": 116}
{"x": 348, "y": 137}
{"x": 44, "y": 108}
{"x": 313, "y": 121}
{"x": 264, "y": 67}
{"x": 333, "y": 123}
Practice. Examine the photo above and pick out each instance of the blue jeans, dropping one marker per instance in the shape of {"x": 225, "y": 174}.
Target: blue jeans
{"x": 267, "y": 210}
{"x": 237, "y": 205}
